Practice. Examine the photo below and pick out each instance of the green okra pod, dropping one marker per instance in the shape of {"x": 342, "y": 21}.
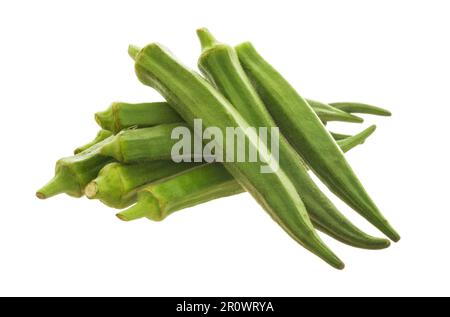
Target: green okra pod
{"x": 155, "y": 143}
{"x": 101, "y": 135}
{"x": 73, "y": 173}
{"x": 192, "y": 97}
{"x": 309, "y": 137}
{"x": 211, "y": 181}
{"x": 146, "y": 144}
{"x": 117, "y": 184}
{"x": 220, "y": 64}
{"x": 357, "y": 107}
{"x": 122, "y": 115}
{"x": 201, "y": 184}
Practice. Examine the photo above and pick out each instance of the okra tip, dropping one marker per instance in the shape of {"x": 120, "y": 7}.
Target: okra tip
{"x": 384, "y": 226}
{"x": 147, "y": 206}
{"x": 357, "y": 107}
{"x": 207, "y": 40}
{"x": 354, "y": 119}
{"x": 136, "y": 211}
{"x": 362, "y": 136}
{"x": 332, "y": 259}
{"x": 393, "y": 235}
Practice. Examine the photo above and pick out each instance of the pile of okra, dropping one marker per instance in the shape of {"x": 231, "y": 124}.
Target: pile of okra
{"x": 129, "y": 165}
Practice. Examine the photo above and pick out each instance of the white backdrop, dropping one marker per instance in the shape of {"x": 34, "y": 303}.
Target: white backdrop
{"x": 62, "y": 61}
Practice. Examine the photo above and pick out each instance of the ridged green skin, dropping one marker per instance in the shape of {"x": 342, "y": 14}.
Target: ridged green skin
{"x": 73, "y": 173}
{"x": 134, "y": 145}
{"x": 199, "y": 185}
{"x": 121, "y": 115}
{"x": 157, "y": 200}
{"x": 146, "y": 144}
{"x": 101, "y": 135}
{"x": 309, "y": 137}
{"x": 192, "y": 97}
{"x": 357, "y": 107}
{"x": 220, "y": 64}
{"x": 117, "y": 184}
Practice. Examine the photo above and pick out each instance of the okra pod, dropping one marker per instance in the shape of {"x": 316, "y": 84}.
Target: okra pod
{"x": 201, "y": 184}
{"x": 121, "y": 115}
{"x": 146, "y": 144}
{"x": 73, "y": 173}
{"x": 193, "y": 97}
{"x": 101, "y": 135}
{"x": 117, "y": 184}
{"x": 211, "y": 181}
{"x": 220, "y": 64}
{"x": 309, "y": 137}
{"x": 357, "y": 107}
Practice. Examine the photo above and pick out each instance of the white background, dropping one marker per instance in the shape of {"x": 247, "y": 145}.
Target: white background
{"x": 62, "y": 61}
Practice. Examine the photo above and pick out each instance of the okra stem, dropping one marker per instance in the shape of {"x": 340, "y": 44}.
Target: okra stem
{"x": 133, "y": 51}
{"x": 207, "y": 40}
{"x": 62, "y": 182}
{"x": 73, "y": 173}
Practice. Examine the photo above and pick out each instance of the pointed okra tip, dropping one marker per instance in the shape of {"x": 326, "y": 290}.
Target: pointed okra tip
{"x": 354, "y": 119}
{"x": 380, "y": 243}
{"x": 335, "y": 262}
{"x": 134, "y": 212}
{"x": 207, "y": 40}
{"x": 364, "y": 134}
